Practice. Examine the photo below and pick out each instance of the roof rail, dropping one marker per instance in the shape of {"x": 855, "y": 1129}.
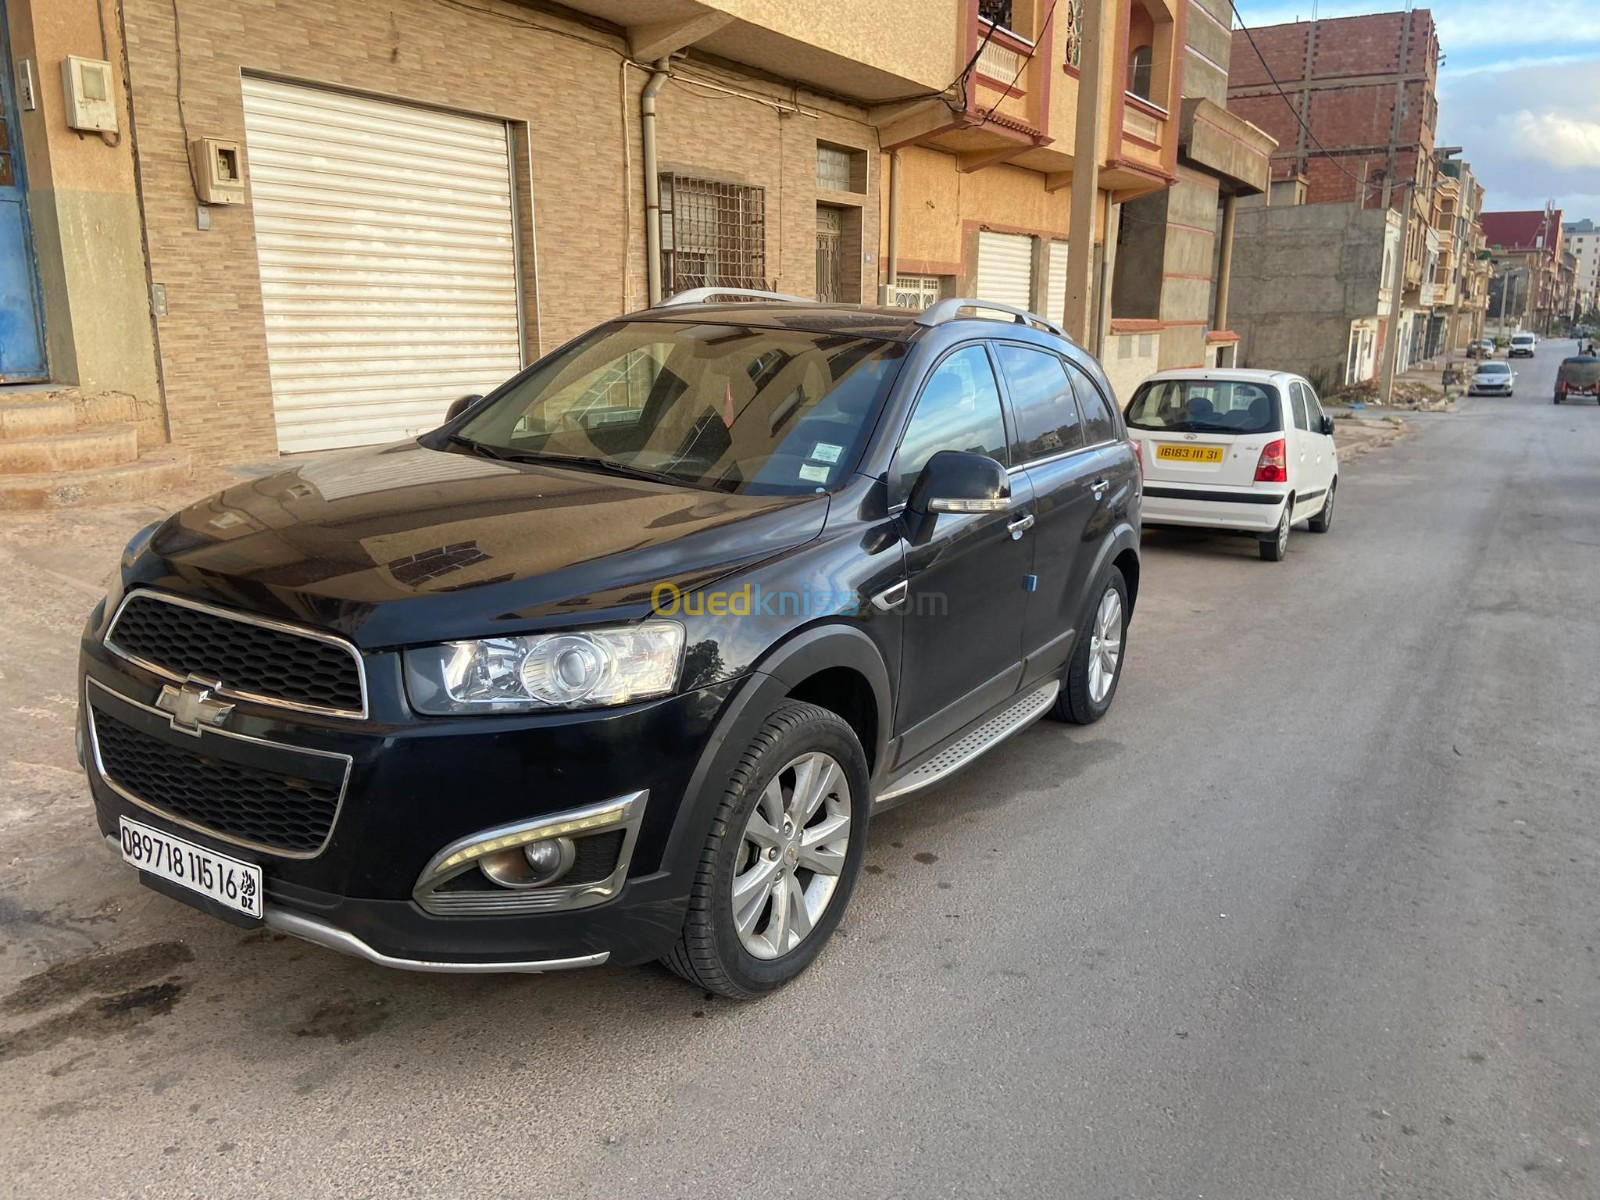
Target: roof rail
{"x": 950, "y": 310}
{"x": 706, "y": 295}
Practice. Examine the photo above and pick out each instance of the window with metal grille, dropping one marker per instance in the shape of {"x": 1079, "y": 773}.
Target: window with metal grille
{"x": 713, "y": 234}
{"x": 918, "y": 291}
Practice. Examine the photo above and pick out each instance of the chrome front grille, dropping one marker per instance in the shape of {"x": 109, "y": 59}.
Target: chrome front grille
{"x": 253, "y": 658}
{"x": 246, "y": 790}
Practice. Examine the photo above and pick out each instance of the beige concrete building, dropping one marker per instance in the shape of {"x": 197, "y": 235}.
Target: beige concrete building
{"x": 314, "y": 224}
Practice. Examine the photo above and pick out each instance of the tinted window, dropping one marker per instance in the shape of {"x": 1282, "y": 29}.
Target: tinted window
{"x": 1098, "y": 423}
{"x": 765, "y": 411}
{"x": 1205, "y": 406}
{"x": 1042, "y": 401}
{"x": 959, "y": 409}
{"x": 1297, "y": 393}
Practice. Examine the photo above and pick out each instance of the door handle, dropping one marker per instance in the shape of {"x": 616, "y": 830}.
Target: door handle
{"x": 1020, "y": 526}
{"x": 1098, "y": 487}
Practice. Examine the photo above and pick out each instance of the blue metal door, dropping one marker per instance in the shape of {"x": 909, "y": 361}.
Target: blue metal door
{"x": 21, "y": 320}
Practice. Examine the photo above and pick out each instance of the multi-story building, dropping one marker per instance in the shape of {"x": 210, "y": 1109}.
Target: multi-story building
{"x": 1460, "y": 272}
{"x": 1526, "y": 291}
{"x": 1583, "y": 237}
{"x": 1175, "y": 247}
{"x": 309, "y": 224}
{"x": 1352, "y": 103}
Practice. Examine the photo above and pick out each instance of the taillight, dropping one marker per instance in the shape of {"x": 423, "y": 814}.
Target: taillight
{"x": 1272, "y": 466}
{"x": 1561, "y": 385}
{"x": 1138, "y": 456}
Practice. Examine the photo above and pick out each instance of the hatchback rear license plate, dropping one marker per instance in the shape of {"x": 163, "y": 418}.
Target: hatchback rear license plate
{"x": 233, "y": 884}
{"x": 1190, "y": 453}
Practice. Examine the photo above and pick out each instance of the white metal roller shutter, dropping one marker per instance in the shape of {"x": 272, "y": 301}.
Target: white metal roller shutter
{"x": 1055, "y": 305}
{"x": 1005, "y": 269}
{"x": 388, "y": 261}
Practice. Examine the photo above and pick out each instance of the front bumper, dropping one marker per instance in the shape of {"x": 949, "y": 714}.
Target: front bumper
{"x": 416, "y": 785}
{"x": 1254, "y": 511}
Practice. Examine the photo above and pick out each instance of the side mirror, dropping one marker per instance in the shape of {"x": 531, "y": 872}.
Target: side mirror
{"x": 457, "y": 407}
{"x": 1327, "y": 425}
{"x": 955, "y": 481}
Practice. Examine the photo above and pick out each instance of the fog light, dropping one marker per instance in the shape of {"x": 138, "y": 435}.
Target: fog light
{"x": 534, "y": 865}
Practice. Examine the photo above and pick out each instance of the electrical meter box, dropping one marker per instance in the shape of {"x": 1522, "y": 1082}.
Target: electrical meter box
{"x": 218, "y": 167}
{"x": 91, "y": 104}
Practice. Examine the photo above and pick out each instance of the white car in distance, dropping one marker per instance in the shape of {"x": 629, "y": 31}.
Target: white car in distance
{"x": 1236, "y": 450}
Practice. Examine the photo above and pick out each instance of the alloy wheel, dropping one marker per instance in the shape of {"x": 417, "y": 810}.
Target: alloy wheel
{"x": 1105, "y": 646}
{"x": 790, "y": 855}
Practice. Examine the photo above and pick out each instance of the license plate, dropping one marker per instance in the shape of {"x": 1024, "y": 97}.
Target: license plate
{"x": 226, "y": 880}
{"x": 1190, "y": 453}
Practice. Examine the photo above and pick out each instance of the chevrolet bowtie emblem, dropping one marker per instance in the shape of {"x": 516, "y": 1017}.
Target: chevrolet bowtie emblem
{"x": 192, "y": 705}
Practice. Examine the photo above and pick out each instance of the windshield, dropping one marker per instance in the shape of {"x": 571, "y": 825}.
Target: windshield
{"x": 1494, "y": 369}
{"x": 724, "y": 407}
{"x": 1206, "y": 406}
{"x": 1522, "y": 339}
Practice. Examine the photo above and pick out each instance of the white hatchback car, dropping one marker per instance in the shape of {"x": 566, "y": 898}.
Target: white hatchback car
{"x": 1238, "y": 450}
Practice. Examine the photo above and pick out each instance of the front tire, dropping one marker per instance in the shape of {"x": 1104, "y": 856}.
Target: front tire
{"x": 781, "y": 857}
{"x": 1090, "y": 684}
{"x": 1275, "y": 545}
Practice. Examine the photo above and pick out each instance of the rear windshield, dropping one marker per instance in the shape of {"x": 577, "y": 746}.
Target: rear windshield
{"x": 1206, "y": 406}
{"x": 1580, "y": 370}
{"x": 1494, "y": 369}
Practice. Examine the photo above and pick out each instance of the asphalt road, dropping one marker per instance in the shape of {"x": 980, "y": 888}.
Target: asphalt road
{"x": 1313, "y": 913}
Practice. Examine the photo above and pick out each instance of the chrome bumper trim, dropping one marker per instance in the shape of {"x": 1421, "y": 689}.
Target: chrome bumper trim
{"x": 331, "y": 937}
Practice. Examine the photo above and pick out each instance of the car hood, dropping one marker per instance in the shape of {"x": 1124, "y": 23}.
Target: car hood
{"x": 405, "y": 544}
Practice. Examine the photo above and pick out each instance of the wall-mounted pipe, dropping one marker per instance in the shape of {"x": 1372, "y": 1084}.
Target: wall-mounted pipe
{"x": 652, "y": 180}
{"x": 891, "y": 251}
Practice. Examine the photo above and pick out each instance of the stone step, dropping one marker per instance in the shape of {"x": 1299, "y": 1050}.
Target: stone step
{"x": 35, "y": 416}
{"x": 100, "y": 446}
{"x": 152, "y": 473}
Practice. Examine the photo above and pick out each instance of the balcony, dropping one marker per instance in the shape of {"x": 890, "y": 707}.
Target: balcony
{"x": 1005, "y": 112}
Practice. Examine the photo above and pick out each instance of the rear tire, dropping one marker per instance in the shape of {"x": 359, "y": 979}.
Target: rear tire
{"x": 1275, "y": 545}
{"x": 1090, "y": 683}
{"x": 714, "y": 950}
{"x": 1323, "y": 521}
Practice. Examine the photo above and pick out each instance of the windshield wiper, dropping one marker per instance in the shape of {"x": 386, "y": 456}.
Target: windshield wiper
{"x": 506, "y": 454}
{"x": 607, "y": 465}
{"x": 477, "y": 447}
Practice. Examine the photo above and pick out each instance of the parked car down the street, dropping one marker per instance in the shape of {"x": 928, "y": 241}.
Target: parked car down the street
{"x": 1578, "y": 378}
{"x": 1492, "y": 379}
{"x": 1245, "y": 451}
{"x": 1483, "y": 348}
{"x": 654, "y": 629}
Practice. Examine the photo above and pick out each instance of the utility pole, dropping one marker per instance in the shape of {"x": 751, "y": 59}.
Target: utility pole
{"x": 1079, "y": 316}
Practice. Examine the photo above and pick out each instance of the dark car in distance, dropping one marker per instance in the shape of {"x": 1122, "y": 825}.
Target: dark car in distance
{"x": 617, "y": 664}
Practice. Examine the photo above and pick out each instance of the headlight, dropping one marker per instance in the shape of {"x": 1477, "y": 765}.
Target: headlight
{"x": 590, "y": 669}
{"x": 130, "y": 554}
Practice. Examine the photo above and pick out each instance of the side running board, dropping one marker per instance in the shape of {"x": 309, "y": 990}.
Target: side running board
{"x": 1022, "y": 713}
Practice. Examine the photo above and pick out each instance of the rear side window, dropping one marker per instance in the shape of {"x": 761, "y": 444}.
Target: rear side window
{"x": 1042, "y": 400}
{"x": 1297, "y": 393}
{"x": 1205, "y": 406}
{"x": 959, "y": 409}
{"x": 1098, "y": 423}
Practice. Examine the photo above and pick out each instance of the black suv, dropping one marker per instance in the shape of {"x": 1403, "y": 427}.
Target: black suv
{"x": 618, "y": 663}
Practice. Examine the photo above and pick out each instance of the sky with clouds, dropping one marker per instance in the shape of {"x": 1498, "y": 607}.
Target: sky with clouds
{"x": 1519, "y": 89}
